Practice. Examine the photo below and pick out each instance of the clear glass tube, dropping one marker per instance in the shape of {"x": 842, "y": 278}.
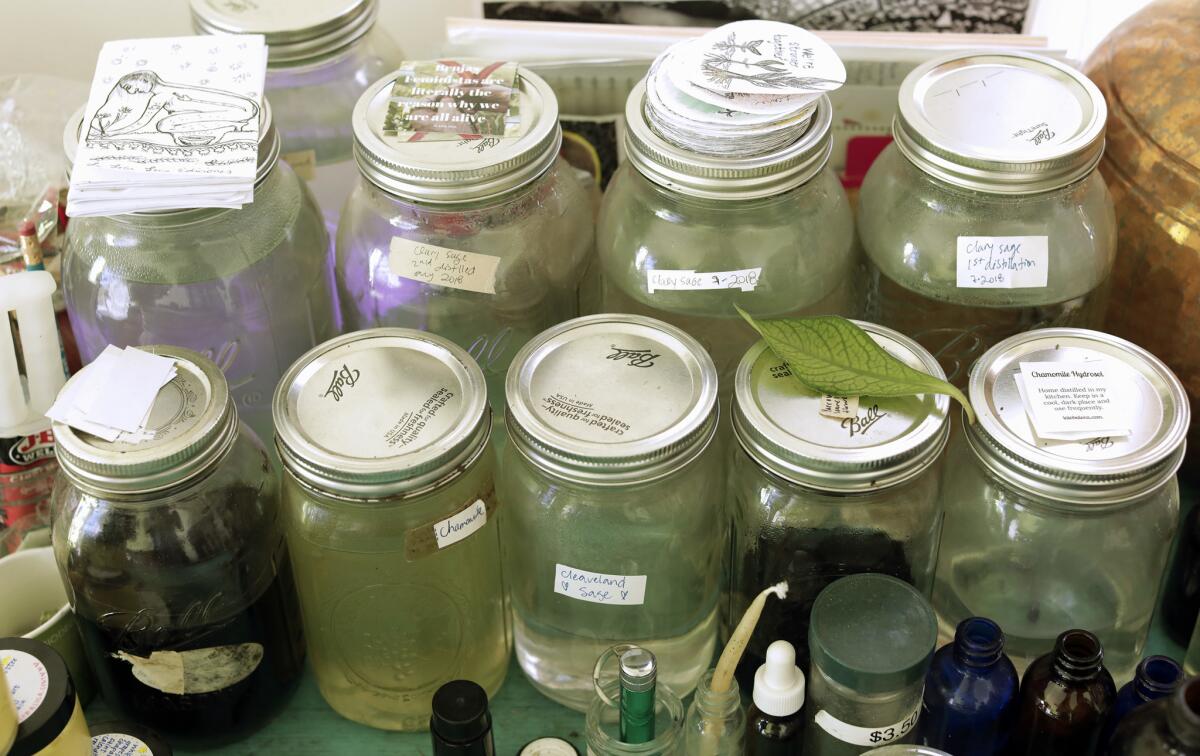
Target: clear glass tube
{"x": 716, "y": 722}
{"x": 603, "y": 719}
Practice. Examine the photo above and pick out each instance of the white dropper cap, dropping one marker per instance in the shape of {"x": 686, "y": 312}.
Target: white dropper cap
{"x": 779, "y": 684}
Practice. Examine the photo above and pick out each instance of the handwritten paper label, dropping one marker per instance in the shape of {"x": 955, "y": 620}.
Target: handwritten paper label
{"x": 867, "y": 736}
{"x": 598, "y": 588}
{"x": 303, "y": 162}
{"x": 438, "y": 100}
{"x": 841, "y": 407}
{"x": 1077, "y": 401}
{"x": 1003, "y": 262}
{"x": 457, "y": 527}
{"x": 689, "y": 280}
{"x": 442, "y": 266}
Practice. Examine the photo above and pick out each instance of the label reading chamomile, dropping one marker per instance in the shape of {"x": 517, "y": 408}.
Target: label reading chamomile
{"x": 28, "y": 681}
{"x": 746, "y": 279}
{"x": 458, "y": 526}
{"x": 1080, "y": 401}
{"x": 119, "y": 744}
{"x": 598, "y": 588}
{"x": 442, "y": 266}
{"x": 1003, "y": 262}
{"x": 840, "y": 407}
{"x": 867, "y": 736}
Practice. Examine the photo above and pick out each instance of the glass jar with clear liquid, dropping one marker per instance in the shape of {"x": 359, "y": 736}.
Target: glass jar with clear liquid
{"x": 684, "y": 237}
{"x": 248, "y": 288}
{"x": 614, "y": 513}
{"x": 482, "y": 241}
{"x": 391, "y": 517}
{"x": 1044, "y": 534}
{"x": 986, "y": 217}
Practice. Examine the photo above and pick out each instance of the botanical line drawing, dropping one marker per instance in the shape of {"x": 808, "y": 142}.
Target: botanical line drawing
{"x": 722, "y": 68}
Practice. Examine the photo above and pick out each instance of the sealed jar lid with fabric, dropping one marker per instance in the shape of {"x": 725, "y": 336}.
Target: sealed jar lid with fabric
{"x": 778, "y": 421}
{"x": 381, "y": 412}
{"x": 296, "y": 31}
{"x": 1113, "y": 428}
{"x": 515, "y": 140}
{"x": 1000, "y": 122}
{"x": 611, "y": 399}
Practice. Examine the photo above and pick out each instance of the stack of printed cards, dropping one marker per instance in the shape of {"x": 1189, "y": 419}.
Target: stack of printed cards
{"x": 170, "y": 123}
{"x": 744, "y": 89}
{"x": 113, "y": 396}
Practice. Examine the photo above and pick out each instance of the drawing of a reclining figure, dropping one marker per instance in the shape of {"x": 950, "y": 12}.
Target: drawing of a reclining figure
{"x": 141, "y": 105}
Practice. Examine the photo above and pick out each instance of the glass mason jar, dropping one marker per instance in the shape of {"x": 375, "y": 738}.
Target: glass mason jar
{"x": 321, "y": 55}
{"x": 391, "y": 515}
{"x": 986, "y": 217}
{"x": 685, "y": 237}
{"x": 1045, "y": 535}
{"x": 614, "y": 517}
{"x": 815, "y": 498}
{"x": 480, "y": 241}
{"x": 248, "y": 288}
{"x": 603, "y": 725}
{"x": 173, "y": 555}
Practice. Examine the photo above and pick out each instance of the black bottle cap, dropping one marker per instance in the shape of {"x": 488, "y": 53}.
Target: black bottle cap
{"x": 45, "y": 688}
{"x": 460, "y": 713}
{"x": 127, "y": 737}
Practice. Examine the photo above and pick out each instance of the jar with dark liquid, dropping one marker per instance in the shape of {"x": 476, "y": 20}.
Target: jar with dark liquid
{"x": 172, "y": 551}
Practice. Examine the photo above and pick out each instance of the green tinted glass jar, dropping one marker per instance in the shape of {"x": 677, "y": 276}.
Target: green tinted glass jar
{"x": 614, "y": 508}
{"x": 391, "y": 515}
{"x": 986, "y": 217}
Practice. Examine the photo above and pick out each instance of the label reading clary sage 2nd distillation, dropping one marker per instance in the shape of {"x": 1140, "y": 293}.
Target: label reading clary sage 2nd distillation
{"x": 442, "y": 266}
{"x": 599, "y": 588}
{"x": 867, "y": 736}
{"x": 1003, "y": 262}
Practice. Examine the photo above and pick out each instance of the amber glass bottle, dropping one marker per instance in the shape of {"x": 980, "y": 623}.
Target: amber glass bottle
{"x": 1066, "y": 697}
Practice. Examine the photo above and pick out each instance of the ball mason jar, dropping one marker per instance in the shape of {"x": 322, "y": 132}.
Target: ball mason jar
{"x": 815, "y": 498}
{"x": 321, "y": 55}
{"x": 482, "y": 241}
{"x": 986, "y": 217}
{"x": 391, "y": 515}
{"x": 614, "y": 516}
{"x": 1044, "y": 535}
{"x": 173, "y": 554}
{"x": 248, "y": 288}
{"x": 684, "y": 237}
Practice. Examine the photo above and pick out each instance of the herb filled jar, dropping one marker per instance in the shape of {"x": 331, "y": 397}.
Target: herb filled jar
{"x": 173, "y": 554}
{"x": 248, "y": 288}
{"x": 817, "y": 497}
{"x": 985, "y": 216}
{"x": 321, "y": 55}
{"x": 479, "y": 238}
{"x": 1028, "y": 512}
{"x": 391, "y": 515}
{"x": 614, "y": 519}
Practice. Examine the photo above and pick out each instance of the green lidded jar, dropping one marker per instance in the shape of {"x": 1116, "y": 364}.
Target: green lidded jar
{"x": 391, "y": 517}
{"x": 986, "y": 217}
{"x": 871, "y": 640}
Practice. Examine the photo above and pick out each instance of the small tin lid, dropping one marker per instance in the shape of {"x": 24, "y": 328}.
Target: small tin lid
{"x": 777, "y": 420}
{"x": 714, "y": 177}
{"x": 110, "y": 738}
{"x": 1098, "y": 471}
{"x": 192, "y": 425}
{"x": 42, "y": 690}
{"x": 380, "y": 412}
{"x": 549, "y": 747}
{"x": 1001, "y": 122}
{"x": 296, "y": 31}
{"x": 611, "y": 399}
{"x": 449, "y": 170}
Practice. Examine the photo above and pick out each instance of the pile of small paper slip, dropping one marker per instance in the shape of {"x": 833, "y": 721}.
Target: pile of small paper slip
{"x": 744, "y": 89}
{"x": 170, "y": 123}
{"x": 113, "y": 396}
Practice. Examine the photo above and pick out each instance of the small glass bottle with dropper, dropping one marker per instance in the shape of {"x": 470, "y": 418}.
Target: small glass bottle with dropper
{"x": 775, "y": 725}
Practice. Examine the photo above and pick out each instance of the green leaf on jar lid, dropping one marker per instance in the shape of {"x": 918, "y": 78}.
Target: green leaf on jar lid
{"x": 834, "y": 356}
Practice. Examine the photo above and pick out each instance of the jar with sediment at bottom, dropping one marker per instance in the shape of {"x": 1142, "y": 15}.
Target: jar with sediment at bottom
{"x": 614, "y": 523}
{"x": 391, "y": 515}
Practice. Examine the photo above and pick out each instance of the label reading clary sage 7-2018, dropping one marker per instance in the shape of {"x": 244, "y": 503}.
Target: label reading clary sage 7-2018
{"x": 1003, "y": 262}
{"x": 599, "y": 588}
{"x": 746, "y": 279}
{"x": 867, "y": 736}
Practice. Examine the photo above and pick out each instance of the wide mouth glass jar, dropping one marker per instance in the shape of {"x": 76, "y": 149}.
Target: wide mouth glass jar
{"x": 815, "y": 498}
{"x": 986, "y": 217}
{"x": 614, "y": 521}
{"x": 391, "y": 515}
{"x": 685, "y": 237}
{"x": 1046, "y": 535}
{"x": 480, "y": 240}
{"x": 173, "y": 554}
{"x": 248, "y": 288}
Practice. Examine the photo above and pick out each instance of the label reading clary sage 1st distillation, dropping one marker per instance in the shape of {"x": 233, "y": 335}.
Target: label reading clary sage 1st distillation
{"x": 598, "y": 588}
{"x": 1003, "y": 262}
{"x": 867, "y": 736}
{"x": 442, "y": 266}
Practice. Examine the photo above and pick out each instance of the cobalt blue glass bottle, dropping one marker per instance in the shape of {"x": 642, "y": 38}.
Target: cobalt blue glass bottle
{"x": 1156, "y": 677}
{"x": 970, "y": 693}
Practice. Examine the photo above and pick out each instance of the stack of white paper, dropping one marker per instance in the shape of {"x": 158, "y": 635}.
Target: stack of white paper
{"x": 113, "y": 396}
{"x": 170, "y": 123}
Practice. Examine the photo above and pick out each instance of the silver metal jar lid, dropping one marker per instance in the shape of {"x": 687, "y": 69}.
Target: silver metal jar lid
{"x": 296, "y": 31}
{"x": 777, "y": 421}
{"x": 381, "y": 412}
{"x": 726, "y": 178}
{"x": 1097, "y": 471}
{"x": 1001, "y": 122}
{"x": 611, "y": 399}
{"x": 193, "y": 424}
{"x": 453, "y": 170}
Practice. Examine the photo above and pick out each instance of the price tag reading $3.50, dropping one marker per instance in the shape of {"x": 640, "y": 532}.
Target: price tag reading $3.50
{"x": 867, "y": 736}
